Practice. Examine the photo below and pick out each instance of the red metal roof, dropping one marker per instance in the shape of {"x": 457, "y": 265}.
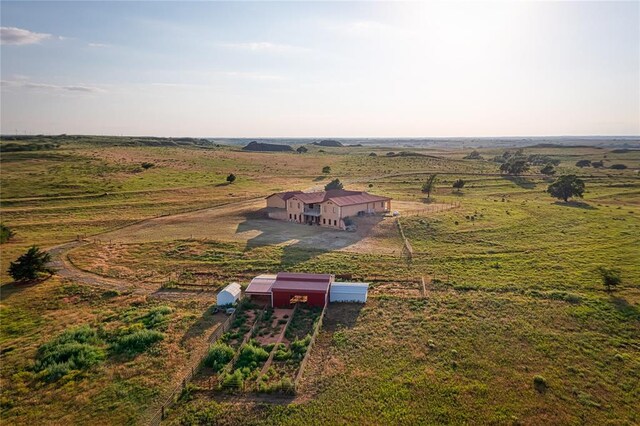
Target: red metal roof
{"x": 314, "y": 283}
{"x": 361, "y": 198}
{"x": 285, "y": 195}
{"x": 341, "y": 197}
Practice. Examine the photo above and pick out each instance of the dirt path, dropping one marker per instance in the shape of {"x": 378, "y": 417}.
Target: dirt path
{"x": 66, "y": 269}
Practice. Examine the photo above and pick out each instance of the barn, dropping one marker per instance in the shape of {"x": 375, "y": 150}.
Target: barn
{"x": 291, "y": 288}
{"x": 349, "y": 292}
{"x": 229, "y": 295}
{"x": 259, "y": 289}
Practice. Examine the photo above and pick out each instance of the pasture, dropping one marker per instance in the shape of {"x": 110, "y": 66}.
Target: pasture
{"x": 510, "y": 292}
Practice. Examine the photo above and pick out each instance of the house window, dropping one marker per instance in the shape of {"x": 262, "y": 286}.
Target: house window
{"x": 324, "y": 221}
{"x": 382, "y": 204}
{"x": 295, "y": 217}
{"x": 289, "y": 216}
{"x": 335, "y": 223}
{"x": 298, "y": 205}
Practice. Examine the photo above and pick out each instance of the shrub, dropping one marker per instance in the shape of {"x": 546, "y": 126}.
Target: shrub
{"x": 583, "y": 163}
{"x": 610, "y": 277}
{"x": 299, "y": 347}
{"x": 201, "y": 414}
{"x": 334, "y": 184}
{"x": 540, "y": 383}
{"x": 618, "y": 166}
{"x": 218, "y": 356}
{"x": 250, "y": 356}
{"x": 5, "y": 233}
{"x": 473, "y": 155}
{"x": 233, "y": 380}
{"x": 147, "y": 165}
{"x": 231, "y": 178}
{"x": 135, "y": 341}
{"x": 326, "y": 169}
{"x": 75, "y": 349}
{"x": 157, "y": 317}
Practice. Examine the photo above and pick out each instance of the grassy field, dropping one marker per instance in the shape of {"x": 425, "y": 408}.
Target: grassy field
{"x": 511, "y": 288}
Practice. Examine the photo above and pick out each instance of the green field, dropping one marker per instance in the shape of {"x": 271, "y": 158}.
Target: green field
{"x": 511, "y": 287}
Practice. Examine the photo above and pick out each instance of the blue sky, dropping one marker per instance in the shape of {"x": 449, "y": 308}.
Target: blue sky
{"x": 305, "y": 69}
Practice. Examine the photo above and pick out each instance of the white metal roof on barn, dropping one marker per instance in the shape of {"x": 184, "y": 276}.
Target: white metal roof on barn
{"x": 261, "y": 285}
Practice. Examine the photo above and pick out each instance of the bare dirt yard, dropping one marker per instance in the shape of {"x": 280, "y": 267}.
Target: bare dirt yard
{"x": 246, "y": 222}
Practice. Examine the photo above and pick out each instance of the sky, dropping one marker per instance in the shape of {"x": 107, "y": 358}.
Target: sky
{"x": 320, "y": 69}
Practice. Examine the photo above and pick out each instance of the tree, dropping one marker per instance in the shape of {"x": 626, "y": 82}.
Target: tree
{"x": 326, "y": 170}
{"x": 473, "y": 155}
{"x": 459, "y": 184}
{"x": 597, "y": 164}
{"x": 334, "y": 184}
{"x": 583, "y": 163}
{"x": 514, "y": 167}
{"x": 429, "y": 185}
{"x": 618, "y": 167}
{"x": 5, "y": 233}
{"x": 548, "y": 170}
{"x": 301, "y": 150}
{"x": 30, "y": 265}
{"x": 566, "y": 187}
{"x": 231, "y": 178}
{"x": 610, "y": 277}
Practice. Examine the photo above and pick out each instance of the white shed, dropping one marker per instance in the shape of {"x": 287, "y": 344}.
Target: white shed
{"x": 348, "y": 292}
{"x": 229, "y": 295}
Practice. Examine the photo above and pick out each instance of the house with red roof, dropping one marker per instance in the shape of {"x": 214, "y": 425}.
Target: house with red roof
{"x": 325, "y": 208}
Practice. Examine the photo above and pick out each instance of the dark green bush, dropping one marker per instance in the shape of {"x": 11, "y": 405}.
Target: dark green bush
{"x": 136, "y": 340}
{"x": 251, "y": 356}
{"x": 76, "y": 349}
{"x": 218, "y": 356}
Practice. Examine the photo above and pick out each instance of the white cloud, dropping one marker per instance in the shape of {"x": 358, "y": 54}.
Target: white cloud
{"x": 51, "y": 87}
{"x": 19, "y": 36}
{"x": 98, "y": 45}
{"x": 264, "y": 46}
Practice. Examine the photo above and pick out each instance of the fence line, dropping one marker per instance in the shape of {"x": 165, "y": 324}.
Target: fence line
{"x": 303, "y": 363}
{"x": 195, "y": 367}
{"x": 407, "y": 250}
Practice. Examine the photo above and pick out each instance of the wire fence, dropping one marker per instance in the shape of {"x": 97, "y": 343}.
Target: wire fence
{"x": 194, "y": 367}
{"x": 303, "y": 363}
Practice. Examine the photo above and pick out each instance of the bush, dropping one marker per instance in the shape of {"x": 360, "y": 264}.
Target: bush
{"x": 299, "y": 347}
{"x": 334, "y": 184}
{"x": 583, "y": 163}
{"x": 147, "y": 166}
{"x": 251, "y": 356}
{"x": 157, "y": 317}
{"x": 540, "y": 383}
{"x": 218, "y": 356}
{"x": 233, "y": 380}
{"x": 76, "y": 349}
{"x": 618, "y": 166}
{"x": 135, "y": 341}
{"x": 610, "y": 277}
{"x": 5, "y": 233}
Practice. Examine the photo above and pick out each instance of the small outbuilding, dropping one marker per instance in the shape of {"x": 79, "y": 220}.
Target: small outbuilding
{"x": 259, "y": 289}
{"x": 349, "y": 292}
{"x": 229, "y": 295}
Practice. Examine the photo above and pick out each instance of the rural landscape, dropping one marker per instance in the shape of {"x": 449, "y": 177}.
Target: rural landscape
{"x": 486, "y": 300}
{"x": 294, "y": 213}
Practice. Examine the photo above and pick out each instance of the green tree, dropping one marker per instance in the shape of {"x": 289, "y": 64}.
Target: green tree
{"x": 334, "y": 184}
{"x": 514, "y": 167}
{"x": 429, "y": 185}
{"x": 5, "y": 233}
{"x": 326, "y": 170}
{"x": 548, "y": 170}
{"x": 231, "y": 178}
{"x": 459, "y": 184}
{"x": 610, "y": 277}
{"x": 30, "y": 265}
{"x": 583, "y": 163}
{"x": 566, "y": 187}
{"x": 301, "y": 150}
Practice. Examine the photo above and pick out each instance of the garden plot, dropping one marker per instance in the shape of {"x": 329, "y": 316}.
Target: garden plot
{"x": 271, "y": 325}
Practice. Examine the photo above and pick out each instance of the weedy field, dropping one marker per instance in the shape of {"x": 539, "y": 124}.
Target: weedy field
{"x": 513, "y": 324}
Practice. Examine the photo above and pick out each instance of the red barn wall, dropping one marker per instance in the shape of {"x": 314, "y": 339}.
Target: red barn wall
{"x": 281, "y": 298}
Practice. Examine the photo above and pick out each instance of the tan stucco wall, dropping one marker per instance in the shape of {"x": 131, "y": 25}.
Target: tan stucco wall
{"x": 295, "y": 207}
{"x": 276, "y": 201}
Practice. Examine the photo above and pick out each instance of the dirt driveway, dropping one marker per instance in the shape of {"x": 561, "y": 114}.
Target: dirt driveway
{"x": 247, "y": 223}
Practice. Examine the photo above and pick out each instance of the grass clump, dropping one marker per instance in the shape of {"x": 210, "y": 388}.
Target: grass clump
{"x": 218, "y": 356}
{"x": 135, "y": 339}
{"x": 540, "y": 383}
{"x": 74, "y": 350}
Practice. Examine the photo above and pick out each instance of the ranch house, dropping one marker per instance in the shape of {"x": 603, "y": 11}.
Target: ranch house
{"x": 325, "y": 208}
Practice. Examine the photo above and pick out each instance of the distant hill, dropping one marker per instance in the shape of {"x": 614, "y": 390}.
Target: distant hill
{"x": 328, "y": 142}
{"x": 261, "y": 146}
